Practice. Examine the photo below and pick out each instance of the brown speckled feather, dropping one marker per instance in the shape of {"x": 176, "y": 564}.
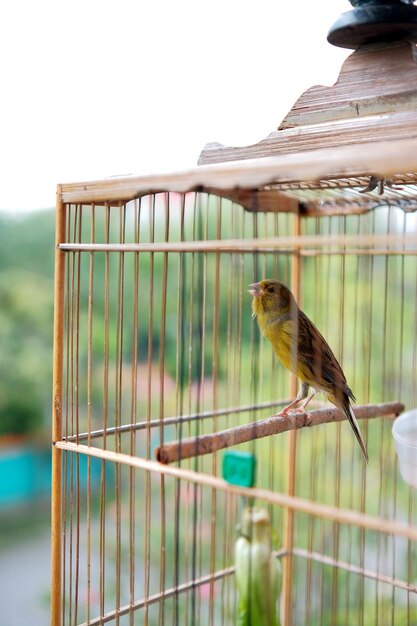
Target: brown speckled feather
{"x": 319, "y": 367}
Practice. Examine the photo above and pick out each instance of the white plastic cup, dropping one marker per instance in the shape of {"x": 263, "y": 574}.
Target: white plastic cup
{"x": 404, "y": 431}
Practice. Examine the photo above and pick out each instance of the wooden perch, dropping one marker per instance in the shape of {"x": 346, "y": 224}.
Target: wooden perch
{"x": 205, "y": 444}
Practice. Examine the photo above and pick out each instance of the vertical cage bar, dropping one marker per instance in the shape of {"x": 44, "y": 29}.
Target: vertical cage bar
{"x": 89, "y": 405}
{"x": 148, "y": 493}
{"x": 77, "y": 278}
{"x": 215, "y": 379}
{"x": 291, "y": 467}
{"x": 106, "y": 360}
{"x": 66, "y": 461}
{"x": 133, "y": 415}
{"x": 179, "y": 399}
{"x": 58, "y": 339}
{"x": 118, "y": 403}
{"x": 162, "y": 552}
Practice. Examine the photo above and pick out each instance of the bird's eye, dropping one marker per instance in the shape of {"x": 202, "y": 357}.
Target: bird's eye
{"x": 270, "y": 289}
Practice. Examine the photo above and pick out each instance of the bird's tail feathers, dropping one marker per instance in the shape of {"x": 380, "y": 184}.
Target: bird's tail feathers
{"x": 355, "y": 427}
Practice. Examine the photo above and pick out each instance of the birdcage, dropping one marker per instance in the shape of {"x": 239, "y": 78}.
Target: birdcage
{"x": 159, "y": 369}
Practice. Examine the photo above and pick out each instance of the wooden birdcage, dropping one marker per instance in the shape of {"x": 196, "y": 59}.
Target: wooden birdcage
{"x": 158, "y": 367}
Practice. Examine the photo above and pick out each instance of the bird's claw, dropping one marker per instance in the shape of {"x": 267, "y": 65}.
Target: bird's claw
{"x": 296, "y": 411}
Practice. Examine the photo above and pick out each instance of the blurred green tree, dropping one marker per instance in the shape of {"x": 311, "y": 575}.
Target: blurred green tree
{"x": 26, "y": 305}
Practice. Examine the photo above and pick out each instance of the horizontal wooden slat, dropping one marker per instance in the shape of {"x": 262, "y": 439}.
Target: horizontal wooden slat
{"x": 343, "y": 516}
{"x": 394, "y": 242}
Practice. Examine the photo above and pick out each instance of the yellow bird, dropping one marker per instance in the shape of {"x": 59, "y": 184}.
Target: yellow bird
{"x": 302, "y": 349}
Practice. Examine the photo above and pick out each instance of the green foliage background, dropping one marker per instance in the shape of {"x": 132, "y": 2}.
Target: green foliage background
{"x": 26, "y": 314}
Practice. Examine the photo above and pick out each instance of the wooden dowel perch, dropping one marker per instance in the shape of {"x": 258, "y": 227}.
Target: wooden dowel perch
{"x": 205, "y": 444}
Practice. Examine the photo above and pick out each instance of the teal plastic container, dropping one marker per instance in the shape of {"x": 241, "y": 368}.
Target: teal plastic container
{"x": 25, "y": 474}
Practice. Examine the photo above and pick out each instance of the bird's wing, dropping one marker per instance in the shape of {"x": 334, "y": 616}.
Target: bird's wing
{"x": 317, "y": 362}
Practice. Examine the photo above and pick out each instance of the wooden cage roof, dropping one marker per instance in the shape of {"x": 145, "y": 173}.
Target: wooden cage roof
{"x": 313, "y": 181}
{"x": 345, "y": 148}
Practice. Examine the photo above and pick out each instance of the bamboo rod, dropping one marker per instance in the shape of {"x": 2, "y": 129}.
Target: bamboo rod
{"x": 273, "y": 425}
{"x": 302, "y": 505}
{"x": 358, "y": 252}
{"x": 56, "y": 493}
{"x": 290, "y": 242}
{"x": 355, "y": 569}
{"x": 174, "y": 421}
{"x": 288, "y": 536}
{"x": 162, "y": 595}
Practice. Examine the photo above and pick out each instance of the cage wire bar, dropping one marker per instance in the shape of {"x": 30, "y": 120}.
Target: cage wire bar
{"x": 154, "y": 344}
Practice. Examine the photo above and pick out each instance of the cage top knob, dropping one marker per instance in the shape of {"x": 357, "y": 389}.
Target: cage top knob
{"x": 374, "y": 21}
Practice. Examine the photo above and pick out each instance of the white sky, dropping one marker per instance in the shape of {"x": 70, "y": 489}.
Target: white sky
{"x": 96, "y": 88}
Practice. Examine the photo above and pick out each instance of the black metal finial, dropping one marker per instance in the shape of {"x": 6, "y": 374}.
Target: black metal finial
{"x": 375, "y": 21}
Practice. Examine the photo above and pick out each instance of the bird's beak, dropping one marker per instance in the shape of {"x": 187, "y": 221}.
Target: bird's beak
{"x": 254, "y": 289}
